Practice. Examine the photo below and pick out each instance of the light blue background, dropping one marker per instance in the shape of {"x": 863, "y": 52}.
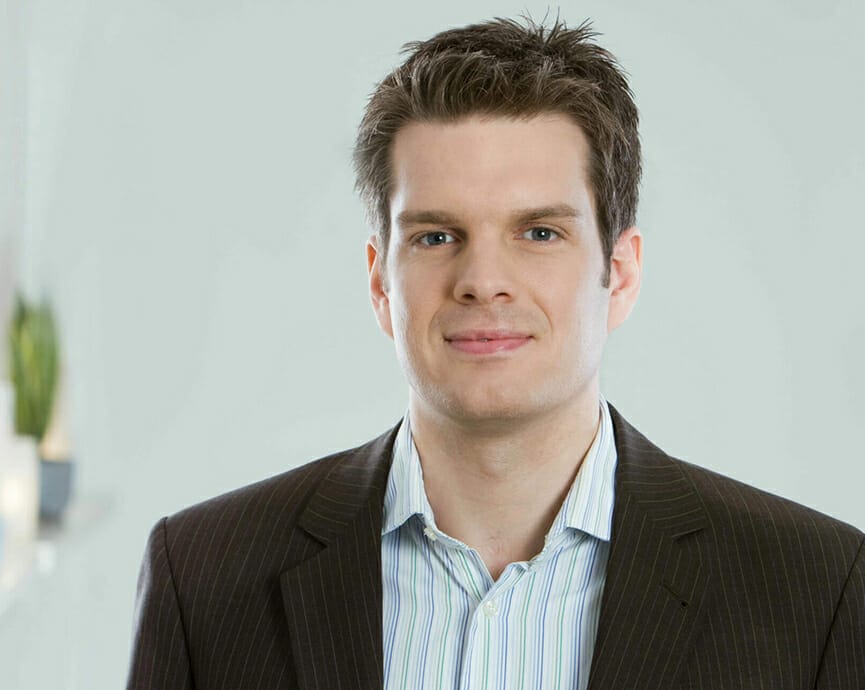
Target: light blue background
{"x": 176, "y": 176}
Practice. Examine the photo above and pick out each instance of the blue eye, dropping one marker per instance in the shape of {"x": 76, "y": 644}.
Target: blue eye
{"x": 541, "y": 234}
{"x": 433, "y": 239}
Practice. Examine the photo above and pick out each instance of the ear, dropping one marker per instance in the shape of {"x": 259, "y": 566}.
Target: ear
{"x": 626, "y": 267}
{"x": 378, "y": 285}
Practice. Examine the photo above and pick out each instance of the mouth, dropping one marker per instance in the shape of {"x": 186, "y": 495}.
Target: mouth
{"x": 486, "y": 342}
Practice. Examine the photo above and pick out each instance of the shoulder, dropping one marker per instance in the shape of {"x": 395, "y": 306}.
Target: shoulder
{"x": 775, "y": 552}
{"x": 758, "y": 535}
{"x": 280, "y": 495}
{"x": 747, "y": 523}
{"x": 736, "y": 505}
{"x": 266, "y": 511}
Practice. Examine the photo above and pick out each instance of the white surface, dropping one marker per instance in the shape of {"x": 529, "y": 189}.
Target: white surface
{"x": 68, "y": 611}
{"x": 190, "y": 207}
{"x": 19, "y": 500}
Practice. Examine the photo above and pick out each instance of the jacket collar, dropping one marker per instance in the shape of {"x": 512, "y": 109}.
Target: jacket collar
{"x": 658, "y": 581}
{"x": 356, "y": 481}
{"x": 333, "y": 599}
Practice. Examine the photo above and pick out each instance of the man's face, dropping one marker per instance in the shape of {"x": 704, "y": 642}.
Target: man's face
{"x": 492, "y": 289}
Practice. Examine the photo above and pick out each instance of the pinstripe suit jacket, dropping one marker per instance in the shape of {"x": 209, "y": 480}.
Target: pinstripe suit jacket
{"x": 710, "y": 584}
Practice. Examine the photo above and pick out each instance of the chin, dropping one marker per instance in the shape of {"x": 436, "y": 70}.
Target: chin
{"x": 479, "y": 406}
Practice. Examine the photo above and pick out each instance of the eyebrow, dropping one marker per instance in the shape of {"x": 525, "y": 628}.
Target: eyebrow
{"x": 525, "y": 215}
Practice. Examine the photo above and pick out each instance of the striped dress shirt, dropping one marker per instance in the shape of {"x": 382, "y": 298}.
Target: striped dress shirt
{"x": 448, "y": 625}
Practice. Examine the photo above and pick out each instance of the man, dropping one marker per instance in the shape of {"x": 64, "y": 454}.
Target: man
{"x": 513, "y": 531}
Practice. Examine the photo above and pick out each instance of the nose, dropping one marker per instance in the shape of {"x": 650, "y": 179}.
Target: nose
{"x": 485, "y": 273}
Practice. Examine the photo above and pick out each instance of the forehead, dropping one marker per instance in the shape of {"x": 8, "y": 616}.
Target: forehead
{"x": 483, "y": 166}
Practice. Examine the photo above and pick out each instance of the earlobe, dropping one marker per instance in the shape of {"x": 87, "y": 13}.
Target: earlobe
{"x": 626, "y": 266}
{"x": 378, "y": 285}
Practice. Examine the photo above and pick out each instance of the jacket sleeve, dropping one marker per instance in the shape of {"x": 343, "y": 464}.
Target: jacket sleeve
{"x": 843, "y": 663}
{"x": 160, "y": 656}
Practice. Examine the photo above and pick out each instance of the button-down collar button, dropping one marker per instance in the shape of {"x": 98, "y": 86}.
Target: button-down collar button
{"x": 429, "y": 533}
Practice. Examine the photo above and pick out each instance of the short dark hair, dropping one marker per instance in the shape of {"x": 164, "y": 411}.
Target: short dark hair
{"x": 504, "y": 68}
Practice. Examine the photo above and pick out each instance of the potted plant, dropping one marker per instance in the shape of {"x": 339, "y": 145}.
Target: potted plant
{"x": 35, "y": 369}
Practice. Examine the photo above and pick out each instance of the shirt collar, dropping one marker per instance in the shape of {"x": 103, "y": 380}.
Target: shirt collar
{"x": 588, "y": 506}
{"x": 405, "y": 494}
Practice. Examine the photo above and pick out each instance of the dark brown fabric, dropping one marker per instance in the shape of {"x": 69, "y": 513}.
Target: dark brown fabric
{"x": 710, "y": 584}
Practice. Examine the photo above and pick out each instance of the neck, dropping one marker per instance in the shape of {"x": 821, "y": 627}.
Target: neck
{"x": 497, "y": 486}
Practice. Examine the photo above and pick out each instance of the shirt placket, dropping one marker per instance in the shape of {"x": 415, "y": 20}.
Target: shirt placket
{"x": 484, "y": 659}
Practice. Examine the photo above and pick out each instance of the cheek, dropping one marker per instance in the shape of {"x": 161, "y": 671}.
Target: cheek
{"x": 593, "y": 321}
{"x": 579, "y": 314}
{"x": 419, "y": 291}
{"x": 412, "y": 309}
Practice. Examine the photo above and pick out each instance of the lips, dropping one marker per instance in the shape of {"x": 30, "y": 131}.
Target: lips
{"x": 485, "y": 341}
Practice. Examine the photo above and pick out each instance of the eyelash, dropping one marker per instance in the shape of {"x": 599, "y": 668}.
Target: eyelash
{"x": 419, "y": 239}
{"x": 544, "y": 227}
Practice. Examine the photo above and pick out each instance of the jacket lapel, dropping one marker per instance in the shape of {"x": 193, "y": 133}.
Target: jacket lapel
{"x": 657, "y": 586}
{"x": 333, "y": 601}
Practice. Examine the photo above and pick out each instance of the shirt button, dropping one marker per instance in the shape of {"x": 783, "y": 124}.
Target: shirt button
{"x": 490, "y": 608}
{"x": 429, "y": 533}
